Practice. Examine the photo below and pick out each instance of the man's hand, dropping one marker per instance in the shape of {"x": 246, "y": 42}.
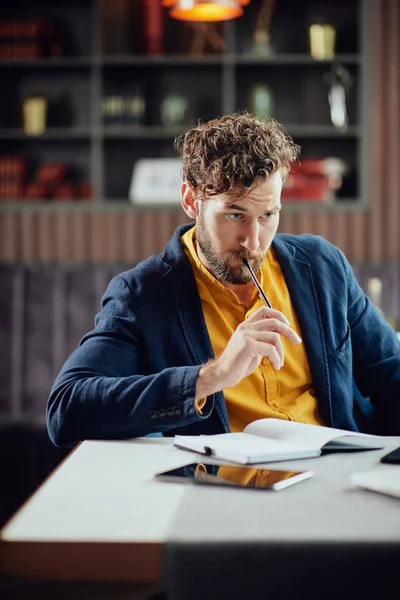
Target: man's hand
{"x": 258, "y": 336}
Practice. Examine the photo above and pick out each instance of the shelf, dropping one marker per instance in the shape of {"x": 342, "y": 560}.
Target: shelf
{"x": 160, "y": 60}
{"x": 80, "y": 206}
{"x": 291, "y": 59}
{"x": 52, "y": 133}
{"x": 159, "y": 132}
{"x": 44, "y": 63}
{"x": 121, "y": 205}
{"x": 163, "y": 60}
{"x": 132, "y": 132}
{"x": 322, "y": 131}
{"x": 222, "y": 59}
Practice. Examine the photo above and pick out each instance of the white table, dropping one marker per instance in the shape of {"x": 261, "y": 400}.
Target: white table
{"x": 102, "y": 517}
{"x": 98, "y": 516}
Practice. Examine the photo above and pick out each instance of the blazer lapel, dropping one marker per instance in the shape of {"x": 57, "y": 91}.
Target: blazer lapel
{"x": 182, "y": 285}
{"x": 300, "y": 283}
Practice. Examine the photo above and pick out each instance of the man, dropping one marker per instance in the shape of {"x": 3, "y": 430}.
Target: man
{"x": 185, "y": 344}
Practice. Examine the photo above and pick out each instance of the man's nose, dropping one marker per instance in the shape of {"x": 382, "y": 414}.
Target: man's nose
{"x": 249, "y": 239}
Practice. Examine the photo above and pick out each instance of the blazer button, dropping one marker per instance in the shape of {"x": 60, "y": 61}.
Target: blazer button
{"x": 162, "y": 412}
{"x": 153, "y": 414}
{"x": 170, "y": 411}
{"x": 177, "y": 410}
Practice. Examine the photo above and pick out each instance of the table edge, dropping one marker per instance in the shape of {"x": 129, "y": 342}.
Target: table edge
{"x": 82, "y": 561}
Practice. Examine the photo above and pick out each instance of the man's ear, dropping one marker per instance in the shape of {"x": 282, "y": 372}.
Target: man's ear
{"x": 188, "y": 199}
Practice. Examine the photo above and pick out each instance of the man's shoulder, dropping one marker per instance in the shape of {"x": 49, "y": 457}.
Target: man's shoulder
{"x": 150, "y": 266}
{"x": 307, "y": 246}
{"x": 157, "y": 265}
{"x": 146, "y": 273}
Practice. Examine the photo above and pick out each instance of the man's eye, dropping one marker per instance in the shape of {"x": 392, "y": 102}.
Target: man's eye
{"x": 269, "y": 216}
{"x": 234, "y": 216}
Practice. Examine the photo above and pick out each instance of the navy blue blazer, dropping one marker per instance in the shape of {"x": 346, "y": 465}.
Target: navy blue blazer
{"x": 136, "y": 372}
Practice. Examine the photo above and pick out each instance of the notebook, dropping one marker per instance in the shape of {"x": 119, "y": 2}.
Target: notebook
{"x": 268, "y": 440}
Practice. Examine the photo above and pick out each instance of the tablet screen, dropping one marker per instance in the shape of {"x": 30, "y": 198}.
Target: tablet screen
{"x": 233, "y": 475}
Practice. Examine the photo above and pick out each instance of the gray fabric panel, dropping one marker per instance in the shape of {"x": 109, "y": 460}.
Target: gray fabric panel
{"x": 17, "y": 350}
{"x": 81, "y": 304}
{"x": 59, "y": 320}
{"x": 6, "y": 301}
{"x": 38, "y": 334}
{"x": 45, "y": 310}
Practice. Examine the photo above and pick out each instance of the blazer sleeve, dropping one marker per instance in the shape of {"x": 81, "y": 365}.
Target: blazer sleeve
{"x": 100, "y": 393}
{"x": 376, "y": 356}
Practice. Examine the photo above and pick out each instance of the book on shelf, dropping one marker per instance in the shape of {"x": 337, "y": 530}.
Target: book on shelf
{"x": 12, "y": 175}
{"x": 269, "y": 440}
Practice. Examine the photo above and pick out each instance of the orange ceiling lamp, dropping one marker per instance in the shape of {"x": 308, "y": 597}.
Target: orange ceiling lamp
{"x": 205, "y": 10}
{"x": 173, "y": 2}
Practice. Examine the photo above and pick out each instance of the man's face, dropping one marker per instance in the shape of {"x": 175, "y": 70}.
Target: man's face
{"x": 230, "y": 228}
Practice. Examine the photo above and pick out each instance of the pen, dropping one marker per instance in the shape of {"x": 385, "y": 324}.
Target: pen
{"x": 256, "y": 283}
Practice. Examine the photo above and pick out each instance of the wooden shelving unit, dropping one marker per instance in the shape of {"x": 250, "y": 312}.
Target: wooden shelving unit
{"x": 214, "y": 84}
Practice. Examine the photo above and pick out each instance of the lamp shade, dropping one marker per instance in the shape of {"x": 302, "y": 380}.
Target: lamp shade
{"x": 205, "y": 10}
{"x": 173, "y": 2}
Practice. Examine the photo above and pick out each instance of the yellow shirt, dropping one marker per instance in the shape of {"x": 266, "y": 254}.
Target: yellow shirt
{"x": 286, "y": 393}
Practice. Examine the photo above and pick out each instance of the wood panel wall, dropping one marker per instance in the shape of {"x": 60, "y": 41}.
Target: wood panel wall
{"x": 129, "y": 236}
{"x": 101, "y": 236}
{"x": 373, "y": 235}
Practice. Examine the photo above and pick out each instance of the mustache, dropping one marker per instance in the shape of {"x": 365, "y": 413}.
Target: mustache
{"x": 243, "y": 254}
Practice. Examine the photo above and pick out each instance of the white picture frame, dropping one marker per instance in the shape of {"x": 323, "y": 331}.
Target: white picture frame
{"x": 156, "y": 181}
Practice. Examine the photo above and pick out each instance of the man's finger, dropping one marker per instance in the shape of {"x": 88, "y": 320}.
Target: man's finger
{"x": 276, "y": 326}
{"x": 267, "y": 313}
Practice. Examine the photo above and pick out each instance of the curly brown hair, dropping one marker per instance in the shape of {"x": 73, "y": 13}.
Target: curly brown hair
{"x": 233, "y": 151}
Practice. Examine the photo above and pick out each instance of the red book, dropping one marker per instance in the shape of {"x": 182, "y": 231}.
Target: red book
{"x": 65, "y": 191}
{"x": 153, "y": 26}
{"x": 36, "y": 191}
{"x": 86, "y": 191}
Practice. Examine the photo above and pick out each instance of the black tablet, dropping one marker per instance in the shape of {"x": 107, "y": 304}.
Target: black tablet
{"x": 234, "y": 475}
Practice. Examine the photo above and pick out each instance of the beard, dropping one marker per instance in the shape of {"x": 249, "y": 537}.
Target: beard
{"x": 222, "y": 266}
